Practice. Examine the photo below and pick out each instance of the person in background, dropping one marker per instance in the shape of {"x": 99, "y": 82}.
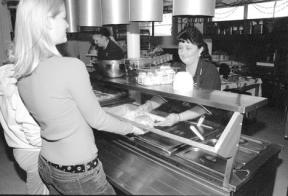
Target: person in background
{"x": 108, "y": 49}
{"x": 57, "y": 92}
{"x": 21, "y": 132}
{"x": 193, "y": 52}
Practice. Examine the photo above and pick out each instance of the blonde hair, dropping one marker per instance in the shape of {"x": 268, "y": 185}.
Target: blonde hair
{"x": 32, "y": 41}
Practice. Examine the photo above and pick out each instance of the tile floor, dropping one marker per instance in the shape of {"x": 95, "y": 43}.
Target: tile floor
{"x": 268, "y": 126}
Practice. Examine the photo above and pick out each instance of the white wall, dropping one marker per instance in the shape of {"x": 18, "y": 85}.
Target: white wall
{"x": 5, "y": 29}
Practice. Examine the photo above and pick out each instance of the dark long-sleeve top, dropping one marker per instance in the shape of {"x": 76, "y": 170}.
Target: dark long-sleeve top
{"x": 60, "y": 97}
{"x": 111, "y": 52}
{"x": 206, "y": 75}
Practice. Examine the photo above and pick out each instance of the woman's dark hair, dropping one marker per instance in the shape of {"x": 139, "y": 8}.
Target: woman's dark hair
{"x": 193, "y": 35}
{"x": 104, "y": 31}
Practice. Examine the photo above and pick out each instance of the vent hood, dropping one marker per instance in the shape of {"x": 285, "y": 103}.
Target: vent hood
{"x": 115, "y": 12}
{"x": 146, "y": 10}
{"x": 90, "y": 13}
{"x": 72, "y": 15}
{"x": 202, "y": 8}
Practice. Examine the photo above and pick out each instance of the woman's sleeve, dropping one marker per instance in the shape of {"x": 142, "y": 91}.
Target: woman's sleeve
{"x": 79, "y": 86}
{"x": 212, "y": 79}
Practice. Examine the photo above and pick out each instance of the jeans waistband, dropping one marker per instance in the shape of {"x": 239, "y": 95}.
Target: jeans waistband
{"x": 75, "y": 168}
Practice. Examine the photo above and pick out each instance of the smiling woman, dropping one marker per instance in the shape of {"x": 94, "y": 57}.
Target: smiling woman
{"x": 193, "y": 52}
{"x": 198, "y": 71}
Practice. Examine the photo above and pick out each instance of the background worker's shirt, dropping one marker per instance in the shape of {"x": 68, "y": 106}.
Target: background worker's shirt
{"x": 111, "y": 52}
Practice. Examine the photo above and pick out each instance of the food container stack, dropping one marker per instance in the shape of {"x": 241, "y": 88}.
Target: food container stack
{"x": 157, "y": 60}
{"x": 156, "y": 75}
{"x": 139, "y": 63}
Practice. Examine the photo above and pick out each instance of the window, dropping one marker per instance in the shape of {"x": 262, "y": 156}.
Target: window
{"x": 146, "y": 26}
{"x": 231, "y": 13}
{"x": 281, "y": 9}
{"x": 271, "y": 9}
{"x": 163, "y": 28}
{"x": 260, "y": 10}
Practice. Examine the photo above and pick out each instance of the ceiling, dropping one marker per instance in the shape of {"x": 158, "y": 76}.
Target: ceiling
{"x": 225, "y": 3}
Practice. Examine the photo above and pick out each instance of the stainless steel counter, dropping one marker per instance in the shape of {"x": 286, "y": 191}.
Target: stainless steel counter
{"x": 135, "y": 170}
{"x": 214, "y": 98}
{"x": 224, "y": 163}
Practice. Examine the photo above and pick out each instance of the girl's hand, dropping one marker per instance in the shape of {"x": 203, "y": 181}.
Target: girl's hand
{"x": 137, "y": 131}
{"x": 170, "y": 120}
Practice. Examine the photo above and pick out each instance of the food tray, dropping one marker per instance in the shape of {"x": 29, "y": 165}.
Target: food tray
{"x": 171, "y": 146}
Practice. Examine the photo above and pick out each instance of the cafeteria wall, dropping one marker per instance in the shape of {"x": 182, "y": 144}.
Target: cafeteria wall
{"x": 5, "y": 30}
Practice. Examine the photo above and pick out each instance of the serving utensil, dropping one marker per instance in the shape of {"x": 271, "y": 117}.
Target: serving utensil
{"x": 196, "y": 132}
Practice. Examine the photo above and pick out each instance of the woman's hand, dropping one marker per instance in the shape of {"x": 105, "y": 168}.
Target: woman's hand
{"x": 170, "y": 120}
{"x": 137, "y": 131}
{"x": 7, "y": 81}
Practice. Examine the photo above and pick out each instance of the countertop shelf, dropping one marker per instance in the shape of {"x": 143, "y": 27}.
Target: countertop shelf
{"x": 213, "y": 98}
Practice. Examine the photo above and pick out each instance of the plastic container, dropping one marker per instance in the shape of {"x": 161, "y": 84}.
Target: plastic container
{"x": 155, "y": 76}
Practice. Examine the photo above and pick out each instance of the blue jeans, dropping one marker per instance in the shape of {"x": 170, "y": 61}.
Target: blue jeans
{"x": 92, "y": 182}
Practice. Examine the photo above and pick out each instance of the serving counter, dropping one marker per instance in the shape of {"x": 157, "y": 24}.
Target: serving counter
{"x": 217, "y": 99}
{"x": 174, "y": 161}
